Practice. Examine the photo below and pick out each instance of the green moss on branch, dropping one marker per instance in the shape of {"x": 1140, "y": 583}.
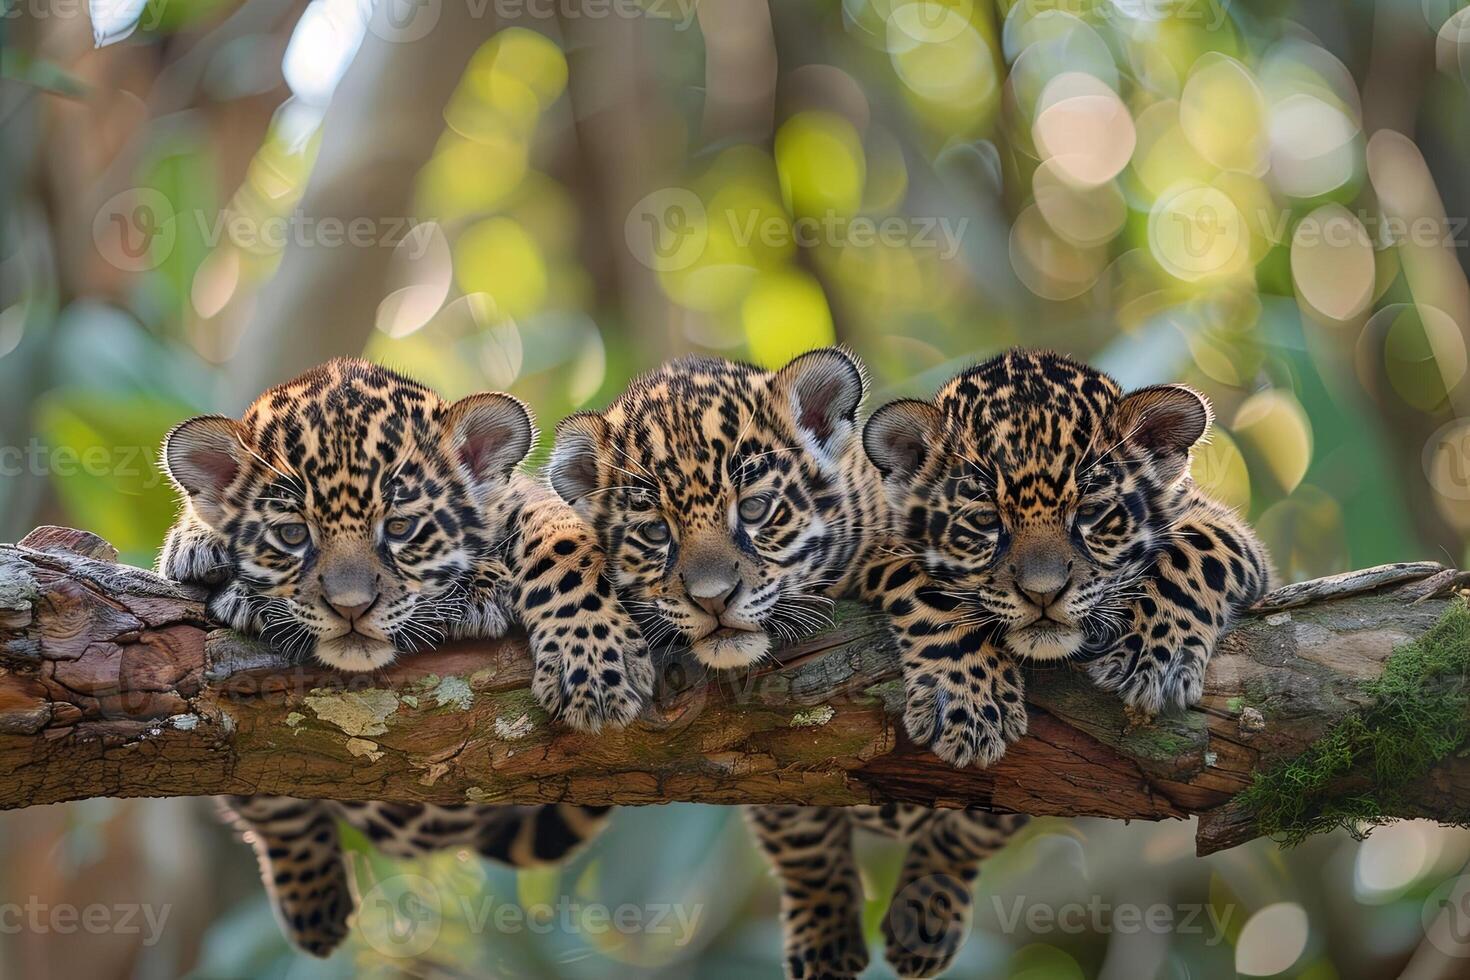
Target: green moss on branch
{"x": 1355, "y": 775}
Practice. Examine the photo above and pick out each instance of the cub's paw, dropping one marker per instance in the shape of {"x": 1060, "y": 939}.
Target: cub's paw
{"x": 482, "y": 616}
{"x": 959, "y": 731}
{"x": 926, "y": 924}
{"x": 1151, "y": 680}
{"x": 592, "y": 687}
{"x": 482, "y": 611}
{"x": 828, "y": 945}
{"x": 193, "y": 553}
{"x": 964, "y": 722}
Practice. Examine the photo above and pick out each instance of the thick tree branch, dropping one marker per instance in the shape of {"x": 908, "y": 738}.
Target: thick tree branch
{"x": 113, "y": 684}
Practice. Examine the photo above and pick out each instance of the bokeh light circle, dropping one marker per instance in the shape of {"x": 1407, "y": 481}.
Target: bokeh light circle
{"x": 1222, "y": 112}
{"x": 1083, "y": 127}
{"x": 1314, "y": 146}
{"x": 1332, "y": 262}
{"x": 1196, "y": 232}
{"x": 1082, "y": 215}
{"x": 1272, "y": 940}
{"x": 1048, "y": 265}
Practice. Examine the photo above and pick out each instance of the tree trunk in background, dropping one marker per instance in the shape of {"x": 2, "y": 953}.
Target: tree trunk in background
{"x": 380, "y": 129}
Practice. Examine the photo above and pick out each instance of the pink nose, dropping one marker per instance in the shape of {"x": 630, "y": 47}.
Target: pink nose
{"x": 352, "y": 611}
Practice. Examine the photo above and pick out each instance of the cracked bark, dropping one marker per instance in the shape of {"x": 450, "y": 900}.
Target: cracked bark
{"x": 112, "y": 683}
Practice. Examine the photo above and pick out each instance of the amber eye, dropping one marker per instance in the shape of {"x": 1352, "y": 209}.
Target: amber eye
{"x": 1090, "y": 512}
{"x": 293, "y": 535}
{"x": 985, "y": 521}
{"x": 655, "y": 532}
{"x": 753, "y": 510}
{"x": 400, "y": 528}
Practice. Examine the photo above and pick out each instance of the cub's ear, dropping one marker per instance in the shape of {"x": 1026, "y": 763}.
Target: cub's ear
{"x": 202, "y": 457}
{"x": 1165, "y": 420}
{"x": 826, "y": 387}
{"x": 573, "y": 470}
{"x": 900, "y": 435}
{"x": 490, "y": 433}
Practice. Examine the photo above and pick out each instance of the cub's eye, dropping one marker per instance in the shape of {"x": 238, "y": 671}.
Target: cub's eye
{"x": 753, "y": 510}
{"x": 293, "y": 535}
{"x": 985, "y": 521}
{"x": 1090, "y": 512}
{"x": 655, "y": 532}
{"x": 400, "y": 528}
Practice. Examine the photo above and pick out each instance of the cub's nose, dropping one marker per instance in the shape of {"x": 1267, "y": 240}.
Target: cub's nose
{"x": 1043, "y": 583}
{"x": 351, "y": 610}
{"x": 714, "y": 604}
{"x": 712, "y": 585}
{"x": 350, "y": 591}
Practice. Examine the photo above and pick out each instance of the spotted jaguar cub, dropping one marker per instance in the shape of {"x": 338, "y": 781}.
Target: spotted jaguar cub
{"x": 353, "y": 517}
{"x": 735, "y": 505}
{"x": 1061, "y": 509}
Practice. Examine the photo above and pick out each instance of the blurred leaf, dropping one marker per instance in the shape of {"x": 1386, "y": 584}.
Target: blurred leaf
{"x": 100, "y": 451}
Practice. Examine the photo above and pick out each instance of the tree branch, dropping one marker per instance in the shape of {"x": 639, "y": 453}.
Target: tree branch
{"x": 113, "y": 684}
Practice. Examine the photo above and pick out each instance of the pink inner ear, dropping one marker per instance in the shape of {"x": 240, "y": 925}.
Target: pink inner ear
{"x": 476, "y": 453}
{"x": 219, "y": 468}
{"x": 815, "y": 421}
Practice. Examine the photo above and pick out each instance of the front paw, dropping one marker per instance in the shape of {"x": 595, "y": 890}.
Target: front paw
{"x": 593, "y": 689}
{"x": 483, "y": 617}
{"x": 1153, "y": 681}
{"x": 960, "y": 726}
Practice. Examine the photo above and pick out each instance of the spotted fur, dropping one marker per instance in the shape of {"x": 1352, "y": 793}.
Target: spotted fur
{"x": 1060, "y": 509}
{"x": 735, "y": 506}
{"x": 354, "y": 517}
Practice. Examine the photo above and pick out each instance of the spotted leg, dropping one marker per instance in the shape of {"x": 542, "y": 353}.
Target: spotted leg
{"x": 1212, "y": 567}
{"x": 810, "y": 850}
{"x": 301, "y": 863}
{"x": 591, "y": 664}
{"x": 964, "y": 695}
{"x": 929, "y": 916}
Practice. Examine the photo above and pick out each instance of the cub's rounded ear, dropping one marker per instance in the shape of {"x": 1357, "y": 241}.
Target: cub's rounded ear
{"x": 202, "y": 456}
{"x": 1164, "y": 419}
{"x": 900, "y": 435}
{"x": 826, "y": 388}
{"x": 490, "y": 434}
{"x": 573, "y": 470}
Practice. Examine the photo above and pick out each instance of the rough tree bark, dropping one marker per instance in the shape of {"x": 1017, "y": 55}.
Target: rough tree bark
{"x": 112, "y": 683}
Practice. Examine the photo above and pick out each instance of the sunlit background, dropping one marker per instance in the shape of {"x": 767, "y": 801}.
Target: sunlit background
{"x": 1265, "y": 199}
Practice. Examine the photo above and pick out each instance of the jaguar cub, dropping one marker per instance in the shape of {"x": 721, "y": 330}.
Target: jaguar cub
{"x": 352, "y": 516}
{"x": 1061, "y": 509}
{"x": 735, "y": 505}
